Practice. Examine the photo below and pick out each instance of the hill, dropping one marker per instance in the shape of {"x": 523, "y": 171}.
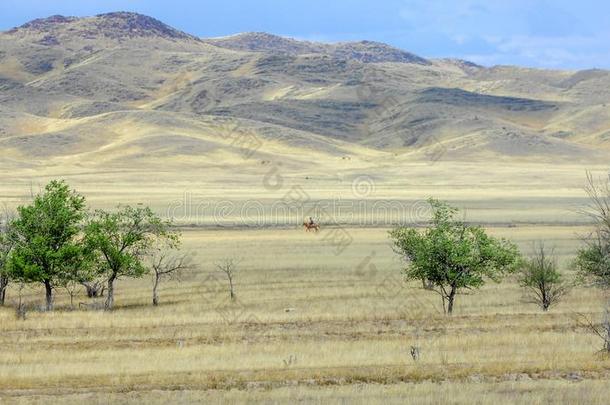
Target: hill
{"x": 123, "y": 88}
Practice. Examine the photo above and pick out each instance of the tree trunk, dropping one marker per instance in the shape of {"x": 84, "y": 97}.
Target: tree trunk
{"x": 450, "y": 300}
{"x": 91, "y": 291}
{"x": 49, "y": 294}
{"x": 546, "y": 303}
{"x": 155, "y": 295}
{"x": 3, "y": 284}
{"x": 94, "y": 290}
{"x": 231, "y": 286}
{"x": 110, "y": 299}
{"x": 606, "y": 328}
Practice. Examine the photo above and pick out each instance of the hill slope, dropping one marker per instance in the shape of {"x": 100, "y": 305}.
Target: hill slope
{"x": 123, "y": 88}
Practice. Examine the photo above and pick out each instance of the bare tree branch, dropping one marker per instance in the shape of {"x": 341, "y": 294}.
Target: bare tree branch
{"x": 169, "y": 266}
{"x": 229, "y": 268}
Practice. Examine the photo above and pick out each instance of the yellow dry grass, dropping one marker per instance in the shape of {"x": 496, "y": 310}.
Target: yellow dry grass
{"x": 310, "y": 324}
{"x": 307, "y": 325}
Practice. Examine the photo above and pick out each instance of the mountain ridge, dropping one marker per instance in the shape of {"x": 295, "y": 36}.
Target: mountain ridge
{"x": 115, "y": 25}
{"x": 364, "y": 50}
{"x": 133, "y": 24}
{"x": 122, "y": 87}
{"x": 126, "y": 25}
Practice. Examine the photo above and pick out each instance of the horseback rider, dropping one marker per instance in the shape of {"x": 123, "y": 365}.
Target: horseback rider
{"x": 311, "y": 222}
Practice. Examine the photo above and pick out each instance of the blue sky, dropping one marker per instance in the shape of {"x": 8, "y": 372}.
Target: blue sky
{"x": 539, "y": 33}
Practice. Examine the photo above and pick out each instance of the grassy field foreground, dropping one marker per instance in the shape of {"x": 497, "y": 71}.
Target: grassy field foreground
{"x": 308, "y": 324}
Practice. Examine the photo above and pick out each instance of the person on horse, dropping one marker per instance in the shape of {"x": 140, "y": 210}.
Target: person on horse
{"x": 311, "y": 221}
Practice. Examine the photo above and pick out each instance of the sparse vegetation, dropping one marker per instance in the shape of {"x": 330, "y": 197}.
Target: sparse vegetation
{"x": 71, "y": 287}
{"x": 121, "y": 240}
{"x": 168, "y": 265}
{"x": 228, "y": 267}
{"x": 593, "y": 261}
{"x": 601, "y": 330}
{"x": 451, "y": 256}
{"x": 540, "y": 276}
{"x": 49, "y": 243}
{"x": 464, "y": 258}
{"x": 364, "y": 337}
{"x": 235, "y": 140}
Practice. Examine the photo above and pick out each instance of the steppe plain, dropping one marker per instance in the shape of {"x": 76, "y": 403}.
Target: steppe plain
{"x": 222, "y": 135}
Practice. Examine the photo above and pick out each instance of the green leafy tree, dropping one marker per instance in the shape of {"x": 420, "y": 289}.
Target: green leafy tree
{"x": 46, "y": 247}
{"x": 121, "y": 240}
{"x": 541, "y": 277}
{"x": 6, "y": 245}
{"x": 593, "y": 260}
{"x": 450, "y": 256}
{"x": 77, "y": 273}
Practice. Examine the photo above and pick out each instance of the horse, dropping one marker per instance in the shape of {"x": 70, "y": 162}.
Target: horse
{"x": 309, "y": 226}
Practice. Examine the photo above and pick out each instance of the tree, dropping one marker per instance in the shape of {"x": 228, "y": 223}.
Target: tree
{"x": 451, "y": 256}
{"x": 20, "y": 310}
{"x": 94, "y": 287}
{"x": 229, "y": 268}
{"x": 593, "y": 260}
{"x": 82, "y": 272}
{"x": 542, "y": 279}
{"x": 46, "y": 246}
{"x": 71, "y": 288}
{"x": 166, "y": 265}
{"x": 600, "y": 330}
{"x": 120, "y": 240}
{"x": 6, "y": 245}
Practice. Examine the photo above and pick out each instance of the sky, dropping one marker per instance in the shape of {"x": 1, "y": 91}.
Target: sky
{"x": 538, "y": 33}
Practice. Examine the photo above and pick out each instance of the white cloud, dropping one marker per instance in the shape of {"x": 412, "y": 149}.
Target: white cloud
{"x": 565, "y": 51}
{"x": 534, "y": 33}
